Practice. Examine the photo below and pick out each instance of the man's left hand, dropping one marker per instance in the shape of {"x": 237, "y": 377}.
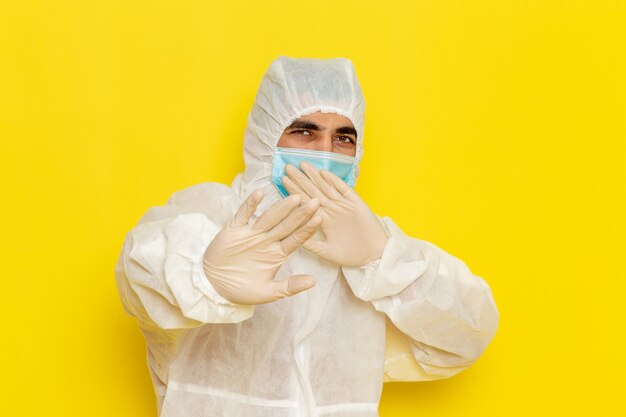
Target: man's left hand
{"x": 353, "y": 234}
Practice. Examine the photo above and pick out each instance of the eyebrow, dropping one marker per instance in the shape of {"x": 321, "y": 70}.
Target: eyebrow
{"x": 303, "y": 124}
{"x": 347, "y": 130}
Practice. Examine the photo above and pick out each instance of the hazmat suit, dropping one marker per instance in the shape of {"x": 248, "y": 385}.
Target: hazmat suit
{"x": 416, "y": 313}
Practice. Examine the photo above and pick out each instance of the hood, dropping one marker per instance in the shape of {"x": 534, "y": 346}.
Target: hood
{"x": 292, "y": 88}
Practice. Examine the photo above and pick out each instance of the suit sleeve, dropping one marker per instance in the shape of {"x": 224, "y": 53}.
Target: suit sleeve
{"x": 440, "y": 316}
{"x": 159, "y": 271}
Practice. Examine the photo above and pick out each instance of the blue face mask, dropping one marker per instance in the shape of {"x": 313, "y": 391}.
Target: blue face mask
{"x": 342, "y": 166}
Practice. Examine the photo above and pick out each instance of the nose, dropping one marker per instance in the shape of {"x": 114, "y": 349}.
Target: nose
{"x": 323, "y": 143}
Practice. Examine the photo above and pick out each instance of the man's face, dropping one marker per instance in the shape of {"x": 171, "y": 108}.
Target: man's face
{"x": 319, "y": 131}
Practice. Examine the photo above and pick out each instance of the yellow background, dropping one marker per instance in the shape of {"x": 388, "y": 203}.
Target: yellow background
{"x": 494, "y": 129}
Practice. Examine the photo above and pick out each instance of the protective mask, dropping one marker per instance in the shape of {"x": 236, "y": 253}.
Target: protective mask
{"x": 342, "y": 166}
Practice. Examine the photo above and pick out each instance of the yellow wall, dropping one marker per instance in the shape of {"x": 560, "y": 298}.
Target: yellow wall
{"x": 494, "y": 129}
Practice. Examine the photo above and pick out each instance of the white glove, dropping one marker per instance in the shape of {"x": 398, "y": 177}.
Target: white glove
{"x": 354, "y": 235}
{"x": 242, "y": 260}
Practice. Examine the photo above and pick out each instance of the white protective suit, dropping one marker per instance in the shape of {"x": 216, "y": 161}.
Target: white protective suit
{"x": 415, "y": 314}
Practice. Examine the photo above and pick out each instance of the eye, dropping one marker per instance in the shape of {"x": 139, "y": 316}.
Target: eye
{"x": 345, "y": 139}
{"x": 302, "y": 132}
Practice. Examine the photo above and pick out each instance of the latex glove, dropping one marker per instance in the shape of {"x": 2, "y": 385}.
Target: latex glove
{"x": 242, "y": 260}
{"x": 353, "y": 233}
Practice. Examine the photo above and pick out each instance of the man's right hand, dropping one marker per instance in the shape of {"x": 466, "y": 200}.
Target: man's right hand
{"x": 242, "y": 260}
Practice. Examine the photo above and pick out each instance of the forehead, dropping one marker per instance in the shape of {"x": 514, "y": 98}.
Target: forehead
{"x": 327, "y": 119}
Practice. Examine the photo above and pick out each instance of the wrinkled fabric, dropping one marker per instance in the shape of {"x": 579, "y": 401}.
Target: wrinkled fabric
{"x": 416, "y": 313}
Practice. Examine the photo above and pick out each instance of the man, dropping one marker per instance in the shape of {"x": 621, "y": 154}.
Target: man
{"x": 284, "y": 295}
